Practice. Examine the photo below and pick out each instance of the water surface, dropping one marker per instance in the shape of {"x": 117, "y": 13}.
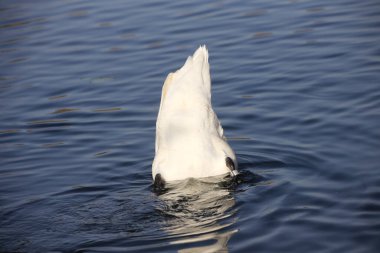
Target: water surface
{"x": 295, "y": 85}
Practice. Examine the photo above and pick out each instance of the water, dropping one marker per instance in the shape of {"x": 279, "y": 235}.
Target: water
{"x": 295, "y": 85}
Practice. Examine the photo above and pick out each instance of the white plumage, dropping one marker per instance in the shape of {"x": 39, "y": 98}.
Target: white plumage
{"x": 189, "y": 137}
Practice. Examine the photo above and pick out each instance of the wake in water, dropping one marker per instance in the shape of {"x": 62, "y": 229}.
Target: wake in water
{"x": 229, "y": 183}
{"x": 200, "y": 210}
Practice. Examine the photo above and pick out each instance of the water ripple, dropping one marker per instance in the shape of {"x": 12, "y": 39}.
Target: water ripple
{"x": 295, "y": 85}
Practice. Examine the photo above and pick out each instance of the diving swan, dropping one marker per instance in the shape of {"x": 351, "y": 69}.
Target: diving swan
{"x": 189, "y": 136}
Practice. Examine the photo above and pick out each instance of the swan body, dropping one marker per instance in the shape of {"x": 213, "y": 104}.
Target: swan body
{"x": 189, "y": 136}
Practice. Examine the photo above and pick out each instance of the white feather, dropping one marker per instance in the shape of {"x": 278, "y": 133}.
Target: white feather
{"x": 189, "y": 137}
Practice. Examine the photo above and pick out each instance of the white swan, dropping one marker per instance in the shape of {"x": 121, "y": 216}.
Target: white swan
{"x": 189, "y": 137}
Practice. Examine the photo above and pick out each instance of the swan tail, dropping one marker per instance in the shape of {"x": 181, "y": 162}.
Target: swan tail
{"x": 201, "y": 54}
{"x": 200, "y": 60}
{"x": 190, "y": 83}
{"x": 196, "y": 69}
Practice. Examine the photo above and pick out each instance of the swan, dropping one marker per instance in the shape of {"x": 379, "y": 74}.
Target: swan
{"x": 189, "y": 137}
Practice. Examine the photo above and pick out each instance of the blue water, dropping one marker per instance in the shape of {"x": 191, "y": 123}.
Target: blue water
{"x": 296, "y": 85}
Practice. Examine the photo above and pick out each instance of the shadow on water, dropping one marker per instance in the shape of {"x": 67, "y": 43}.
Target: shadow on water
{"x": 199, "y": 214}
{"x": 193, "y": 215}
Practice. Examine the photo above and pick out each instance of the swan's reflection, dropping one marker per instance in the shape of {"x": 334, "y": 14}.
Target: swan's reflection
{"x": 198, "y": 212}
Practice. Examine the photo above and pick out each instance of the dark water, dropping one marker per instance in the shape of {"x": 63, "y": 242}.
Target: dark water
{"x": 296, "y": 85}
